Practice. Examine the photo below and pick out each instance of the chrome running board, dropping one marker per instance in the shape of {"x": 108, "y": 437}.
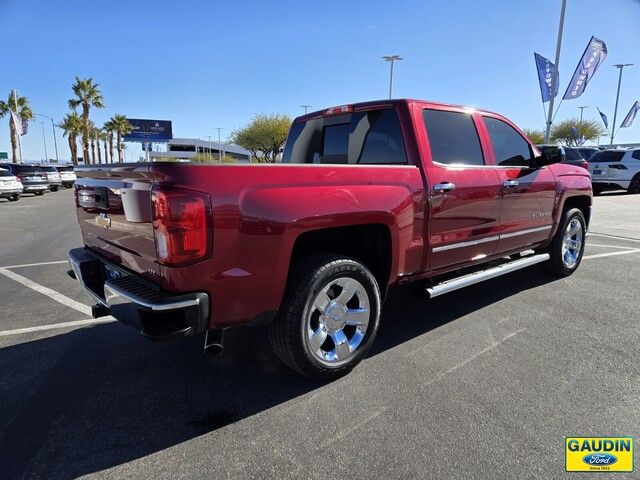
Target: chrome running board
{"x": 477, "y": 277}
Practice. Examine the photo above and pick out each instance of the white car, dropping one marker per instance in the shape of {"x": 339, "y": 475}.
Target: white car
{"x": 10, "y": 185}
{"x": 615, "y": 170}
{"x": 55, "y": 182}
{"x": 67, "y": 175}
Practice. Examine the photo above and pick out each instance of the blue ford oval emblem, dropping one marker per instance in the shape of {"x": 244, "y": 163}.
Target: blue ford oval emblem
{"x": 599, "y": 459}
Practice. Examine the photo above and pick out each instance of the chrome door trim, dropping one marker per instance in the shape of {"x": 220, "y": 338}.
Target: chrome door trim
{"x": 465, "y": 244}
{"x": 471, "y": 243}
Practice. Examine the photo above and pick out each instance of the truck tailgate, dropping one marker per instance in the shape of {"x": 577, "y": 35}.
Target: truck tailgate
{"x": 114, "y": 211}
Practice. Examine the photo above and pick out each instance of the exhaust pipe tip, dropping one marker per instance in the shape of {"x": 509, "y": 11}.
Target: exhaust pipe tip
{"x": 213, "y": 343}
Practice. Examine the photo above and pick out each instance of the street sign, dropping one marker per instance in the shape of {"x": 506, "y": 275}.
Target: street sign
{"x": 149, "y": 131}
{"x": 4, "y": 155}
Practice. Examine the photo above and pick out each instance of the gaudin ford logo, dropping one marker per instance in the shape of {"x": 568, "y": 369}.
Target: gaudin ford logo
{"x": 599, "y": 454}
{"x": 103, "y": 221}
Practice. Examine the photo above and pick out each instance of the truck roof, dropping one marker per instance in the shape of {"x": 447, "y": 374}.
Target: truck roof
{"x": 386, "y": 102}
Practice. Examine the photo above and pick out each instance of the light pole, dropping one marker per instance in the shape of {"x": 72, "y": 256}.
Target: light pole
{"x": 580, "y": 123}
{"x": 53, "y": 129}
{"x": 209, "y": 138}
{"x": 391, "y": 59}
{"x": 619, "y": 66}
{"x": 554, "y": 80}
{"x": 44, "y": 140}
{"x": 306, "y": 107}
{"x": 219, "y": 149}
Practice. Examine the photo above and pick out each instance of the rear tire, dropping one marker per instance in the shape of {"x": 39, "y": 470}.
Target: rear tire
{"x": 15, "y": 197}
{"x": 567, "y": 246}
{"x": 634, "y": 186}
{"x": 54, "y": 188}
{"x": 329, "y": 317}
{"x": 39, "y": 193}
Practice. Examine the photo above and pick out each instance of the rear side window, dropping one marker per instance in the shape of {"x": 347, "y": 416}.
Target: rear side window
{"x": 608, "y": 156}
{"x": 636, "y": 154}
{"x": 4, "y": 173}
{"x": 453, "y": 139}
{"x": 509, "y": 147}
{"x": 371, "y": 138}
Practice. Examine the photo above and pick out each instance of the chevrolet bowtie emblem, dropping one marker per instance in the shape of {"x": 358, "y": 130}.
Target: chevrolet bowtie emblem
{"x": 103, "y": 220}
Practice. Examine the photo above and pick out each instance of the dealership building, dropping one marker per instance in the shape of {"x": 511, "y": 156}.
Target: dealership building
{"x": 187, "y": 148}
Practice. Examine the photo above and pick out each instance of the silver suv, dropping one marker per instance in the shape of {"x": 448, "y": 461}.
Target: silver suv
{"x": 615, "y": 170}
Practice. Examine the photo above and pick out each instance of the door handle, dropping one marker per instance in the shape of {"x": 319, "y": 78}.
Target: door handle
{"x": 510, "y": 183}
{"x": 444, "y": 187}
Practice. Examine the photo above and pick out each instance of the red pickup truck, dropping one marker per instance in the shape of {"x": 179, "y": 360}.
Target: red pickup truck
{"x": 367, "y": 196}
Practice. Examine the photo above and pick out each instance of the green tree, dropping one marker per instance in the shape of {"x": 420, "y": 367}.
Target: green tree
{"x": 206, "y": 158}
{"x": 87, "y": 95}
{"x": 536, "y": 136}
{"x": 264, "y": 136}
{"x": 589, "y": 129}
{"x": 19, "y": 106}
{"x": 72, "y": 127}
{"x": 121, "y": 127}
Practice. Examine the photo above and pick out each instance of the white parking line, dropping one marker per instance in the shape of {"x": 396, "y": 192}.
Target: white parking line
{"x": 75, "y": 324}
{"x": 58, "y": 297}
{"x": 616, "y": 237}
{"x": 36, "y": 264}
{"x": 611, "y": 254}
{"x": 609, "y": 246}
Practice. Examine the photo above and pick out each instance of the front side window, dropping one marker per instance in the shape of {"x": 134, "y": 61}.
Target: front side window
{"x": 453, "y": 139}
{"x": 509, "y": 147}
{"x": 607, "y": 156}
{"x": 364, "y": 138}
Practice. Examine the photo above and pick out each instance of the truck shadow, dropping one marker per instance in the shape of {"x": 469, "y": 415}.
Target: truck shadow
{"x": 80, "y": 402}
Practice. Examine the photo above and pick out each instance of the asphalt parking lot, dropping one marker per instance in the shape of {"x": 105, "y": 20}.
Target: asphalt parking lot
{"x": 481, "y": 383}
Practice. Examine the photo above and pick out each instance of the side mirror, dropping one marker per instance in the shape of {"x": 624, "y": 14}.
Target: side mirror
{"x": 549, "y": 156}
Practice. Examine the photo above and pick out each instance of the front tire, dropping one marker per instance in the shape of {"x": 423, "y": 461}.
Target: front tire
{"x": 567, "y": 247}
{"x": 39, "y": 193}
{"x": 329, "y": 318}
{"x": 15, "y": 197}
{"x": 54, "y": 188}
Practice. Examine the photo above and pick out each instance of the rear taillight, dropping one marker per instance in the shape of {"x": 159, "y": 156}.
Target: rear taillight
{"x": 585, "y": 165}
{"x": 182, "y": 225}
{"x": 18, "y": 179}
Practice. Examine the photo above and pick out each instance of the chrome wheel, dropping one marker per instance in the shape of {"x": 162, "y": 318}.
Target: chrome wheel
{"x": 572, "y": 243}
{"x": 338, "y": 320}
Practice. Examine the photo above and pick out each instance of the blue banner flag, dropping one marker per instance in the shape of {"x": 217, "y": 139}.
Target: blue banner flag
{"x": 546, "y": 70}
{"x": 604, "y": 118}
{"x": 592, "y": 57}
{"x": 628, "y": 120}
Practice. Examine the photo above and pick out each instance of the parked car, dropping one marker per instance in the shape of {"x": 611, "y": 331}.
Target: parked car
{"x": 55, "y": 182}
{"x": 10, "y": 185}
{"x": 570, "y": 155}
{"x": 616, "y": 170}
{"x": 588, "y": 152}
{"x": 33, "y": 178}
{"x": 368, "y": 196}
{"x": 67, "y": 175}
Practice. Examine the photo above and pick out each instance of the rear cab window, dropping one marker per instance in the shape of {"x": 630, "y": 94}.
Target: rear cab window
{"x": 371, "y": 137}
{"x": 453, "y": 138}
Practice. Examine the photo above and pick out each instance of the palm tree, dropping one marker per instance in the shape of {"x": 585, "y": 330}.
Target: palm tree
{"x": 96, "y": 134}
{"x": 72, "y": 126}
{"x": 87, "y": 95}
{"x": 122, "y": 127}
{"x": 109, "y": 129}
{"x": 104, "y": 136}
{"x": 23, "y": 110}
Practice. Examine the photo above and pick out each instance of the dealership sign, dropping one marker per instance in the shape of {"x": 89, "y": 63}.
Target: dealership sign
{"x": 149, "y": 131}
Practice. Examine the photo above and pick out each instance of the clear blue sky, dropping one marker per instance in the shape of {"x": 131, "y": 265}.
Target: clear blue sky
{"x": 205, "y": 64}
